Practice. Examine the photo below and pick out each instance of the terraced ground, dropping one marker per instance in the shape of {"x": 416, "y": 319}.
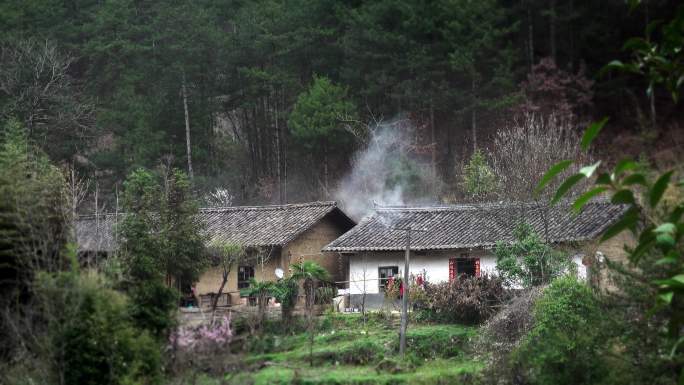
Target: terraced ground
{"x": 347, "y": 352}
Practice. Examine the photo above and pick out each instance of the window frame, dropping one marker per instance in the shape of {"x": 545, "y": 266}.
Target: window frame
{"x": 454, "y": 262}
{"x": 244, "y": 283}
{"x": 382, "y": 281}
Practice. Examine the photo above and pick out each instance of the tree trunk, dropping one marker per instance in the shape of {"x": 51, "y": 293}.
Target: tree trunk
{"x": 278, "y": 161}
{"x": 652, "y": 108}
{"x": 97, "y": 221}
{"x": 571, "y": 32}
{"x": 187, "y": 127}
{"x": 552, "y": 29}
{"x": 530, "y": 35}
{"x": 310, "y": 288}
{"x": 433, "y": 144}
{"x": 474, "y": 115}
{"x": 214, "y": 303}
{"x": 325, "y": 170}
{"x": 363, "y": 297}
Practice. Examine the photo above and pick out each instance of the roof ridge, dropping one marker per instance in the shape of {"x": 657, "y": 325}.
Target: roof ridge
{"x": 271, "y": 207}
{"x": 475, "y": 225}
{"x": 93, "y": 216}
{"x": 481, "y": 205}
{"x": 235, "y": 208}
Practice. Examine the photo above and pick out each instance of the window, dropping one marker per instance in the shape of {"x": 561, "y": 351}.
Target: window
{"x": 384, "y": 273}
{"x": 245, "y": 273}
{"x": 464, "y": 266}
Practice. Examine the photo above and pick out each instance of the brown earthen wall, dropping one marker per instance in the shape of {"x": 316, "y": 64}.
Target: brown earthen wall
{"x": 305, "y": 247}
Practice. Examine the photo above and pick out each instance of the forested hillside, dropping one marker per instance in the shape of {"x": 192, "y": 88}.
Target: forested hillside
{"x": 273, "y": 101}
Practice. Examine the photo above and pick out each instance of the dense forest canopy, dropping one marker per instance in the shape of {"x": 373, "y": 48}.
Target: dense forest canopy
{"x": 275, "y": 101}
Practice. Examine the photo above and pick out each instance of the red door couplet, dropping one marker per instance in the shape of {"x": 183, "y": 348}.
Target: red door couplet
{"x": 464, "y": 266}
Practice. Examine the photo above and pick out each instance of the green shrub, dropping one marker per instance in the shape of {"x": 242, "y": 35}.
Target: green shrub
{"x": 565, "y": 344}
{"x": 467, "y": 300}
{"x": 152, "y": 306}
{"x": 360, "y": 352}
{"x": 337, "y": 335}
{"x": 92, "y": 338}
{"x": 285, "y": 292}
{"x": 436, "y": 341}
{"x": 529, "y": 261}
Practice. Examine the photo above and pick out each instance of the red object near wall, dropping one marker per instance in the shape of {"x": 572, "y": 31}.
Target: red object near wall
{"x": 452, "y": 269}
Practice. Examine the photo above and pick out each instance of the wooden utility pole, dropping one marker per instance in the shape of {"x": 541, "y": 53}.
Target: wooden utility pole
{"x": 404, "y": 297}
{"x": 405, "y": 283}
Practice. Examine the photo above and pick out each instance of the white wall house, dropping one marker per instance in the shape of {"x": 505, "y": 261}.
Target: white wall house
{"x": 455, "y": 240}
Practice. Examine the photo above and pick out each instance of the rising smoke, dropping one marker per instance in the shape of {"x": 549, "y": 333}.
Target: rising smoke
{"x": 391, "y": 169}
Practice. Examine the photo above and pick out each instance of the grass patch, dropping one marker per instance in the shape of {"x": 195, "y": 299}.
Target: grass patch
{"x": 436, "y": 341}
{"x": 346, "y": 352}
{"x": 441, "y": 371}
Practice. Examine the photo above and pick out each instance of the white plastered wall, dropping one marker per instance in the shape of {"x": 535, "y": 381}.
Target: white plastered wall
{"x": 363, "y": 267}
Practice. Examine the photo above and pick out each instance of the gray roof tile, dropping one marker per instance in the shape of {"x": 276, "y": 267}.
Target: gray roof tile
{"x": 246, "y": 225}
{"x": 474, "y": 225}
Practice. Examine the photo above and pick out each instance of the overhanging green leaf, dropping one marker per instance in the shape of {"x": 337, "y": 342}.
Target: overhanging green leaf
{"x": 584, "y": 198}
{"x": 674, "y": 282}
{"x": 659, "y": 188}
{"x": 623, "y": 196}
{"x": 588, "y": 171}
{"x": 665, "y": 241}
{"x": 591, "y": 132}
{"x": 628, "y": 221}
{"x": 603, "y": 178}
{"x": 551, "y": 173}
{"x": 624, "y": 165}
{"x": 566, "y": 186}
{"x": 666, "y": 297}
{"x": 634, "y": 179}
{"x": 665, "y": 228}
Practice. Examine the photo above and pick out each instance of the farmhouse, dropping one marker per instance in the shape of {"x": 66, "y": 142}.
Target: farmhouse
{"x": 455, "y": 240}
{"x": 279, "y": 235}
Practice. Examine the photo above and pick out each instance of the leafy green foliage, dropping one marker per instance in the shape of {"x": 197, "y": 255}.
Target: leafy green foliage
{"x": 312, "y": 275}
{"x": 654, "y": 221}
{"x": 659, "y": 61}
{"x": 318, "y": 116}
{"x": 34, "y": 221}
{"x": 93, "y": 339}
{"x": 309, "y": 271}
{"x": 591, "y": 132}
{"x": 528, "y": 260}
{"x": 657, "y": 226}
{"x": 162, "y": 240}
{"x": 565, "y": 344}
{"x": 360, "y": 352}
{"x": 285, "y": 291}
{"x": 437, "y": 341}
{"x": 318, "y": 122}
{"x": 478, "y": 178}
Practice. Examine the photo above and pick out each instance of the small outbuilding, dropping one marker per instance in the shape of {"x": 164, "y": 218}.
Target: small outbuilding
{"x": 455, "y": 240}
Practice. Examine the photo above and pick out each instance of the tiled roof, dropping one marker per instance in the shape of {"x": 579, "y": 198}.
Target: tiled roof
{"x": 96, "y": 233}
{"x": 475, "y": 225}
{"x": 245, "y": 225}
